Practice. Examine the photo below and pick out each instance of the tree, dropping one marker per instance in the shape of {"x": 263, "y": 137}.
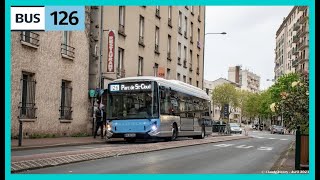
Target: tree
{"x": 225, "y": 94}
{"x": 242, "y": 99}
{"x": 251, "y": 106}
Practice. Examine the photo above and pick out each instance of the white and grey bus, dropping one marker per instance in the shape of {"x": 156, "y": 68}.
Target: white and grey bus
{"x": 151, "y": 107}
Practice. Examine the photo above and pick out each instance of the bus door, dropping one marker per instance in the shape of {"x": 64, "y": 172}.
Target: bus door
{"x": 187, "y": 119}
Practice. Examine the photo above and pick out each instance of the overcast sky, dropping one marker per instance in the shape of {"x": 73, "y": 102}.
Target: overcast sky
{"x": 250, "y": 40}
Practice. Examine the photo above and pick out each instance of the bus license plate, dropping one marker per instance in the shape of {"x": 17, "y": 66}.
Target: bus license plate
{"x": 130, "y": 135}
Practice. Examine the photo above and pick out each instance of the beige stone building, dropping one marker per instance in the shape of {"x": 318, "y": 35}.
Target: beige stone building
{"x": 164, "y": 41}
{"x": 292, "y": 43}
{"x": 49, "y": 82}
{"x": 248, "y": 80}
{"x": 209, "y": 86}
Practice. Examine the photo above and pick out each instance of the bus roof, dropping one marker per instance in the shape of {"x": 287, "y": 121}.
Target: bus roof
{"x": 173, "y": 84}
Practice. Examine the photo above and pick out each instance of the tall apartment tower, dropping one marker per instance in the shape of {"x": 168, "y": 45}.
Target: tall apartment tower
{"x": 163, "y": 41}
{"x": 292, "y": 43}
{"x": 248, "y": 80}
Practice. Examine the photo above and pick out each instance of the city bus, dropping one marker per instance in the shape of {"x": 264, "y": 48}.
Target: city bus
{"x": 151, "y": 107}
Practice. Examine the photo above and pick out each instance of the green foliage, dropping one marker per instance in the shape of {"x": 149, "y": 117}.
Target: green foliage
{"x": 80, "y": 135}
{"x": 37, "y": 136}
{"x": 251, "y": 105}
{"x": 283, "y": 84}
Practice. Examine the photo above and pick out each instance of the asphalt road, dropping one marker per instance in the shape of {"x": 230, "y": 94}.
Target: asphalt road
{"x": 245, "y": 156}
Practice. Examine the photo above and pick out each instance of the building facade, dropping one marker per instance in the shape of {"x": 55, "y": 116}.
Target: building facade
{"x": 209, "y": 86}
{"x": 292, "y": 43}
{"x": 163, "y": 41}
{"x": 248, "y": 80}
{"x": 49, "y": 82}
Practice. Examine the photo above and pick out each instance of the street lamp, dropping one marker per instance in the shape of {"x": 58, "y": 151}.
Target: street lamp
{"x": 223, "y": 33}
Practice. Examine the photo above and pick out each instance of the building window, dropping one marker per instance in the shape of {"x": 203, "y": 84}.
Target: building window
{"x": 140, "y": 66}
{"x": 121, "y": 20}
{"x": 185, "y": 79}
{"x": 199, "y": 14}
{"x": 180, "y": 23}
{"x": 170, "y": 16}
{"x": 66, "y": 50}
{"x": 168, "y": 73}
{"x": 30, "y": 39}
{"x": 158, "y": 12}
{"x": 197, "y": 83}
{"x": 157, "y": 40}
{"x": 178, "y": 76}
{"x": 141, "y": 31}
{"x": 169, "y": 48}
{"x": 27, "y": 103}
{"x": 186, "y": 27}
{"x": 155, "y": 69}
{"x": 190, "y": 63}
{"x": 191, "y": 9}
{"x": 120, "y": 65}
{"x": 179, "y": 53}
{"x": 66, "y": 97}
{"x": 198, "y": 38}
{"x": 191, "y": 32}
{"x": 190, "y": 81}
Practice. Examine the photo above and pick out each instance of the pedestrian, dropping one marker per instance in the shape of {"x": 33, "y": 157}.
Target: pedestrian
{"x": 99, "y": 120}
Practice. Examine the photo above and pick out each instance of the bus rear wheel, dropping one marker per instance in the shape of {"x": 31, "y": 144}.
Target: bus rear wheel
{"x": 202, "y": 135}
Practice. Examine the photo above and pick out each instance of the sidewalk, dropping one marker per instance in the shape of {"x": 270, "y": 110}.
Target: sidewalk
{"x": 286, "y": 161}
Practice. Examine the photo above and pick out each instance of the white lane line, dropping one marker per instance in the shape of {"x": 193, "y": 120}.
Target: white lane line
{"x": 259, "y": 137}
{"x": 224, "y": 145}
{"x": 283, "y": 139}
{"x": 244, "y": 146}
{"x": 265, "y": 148}
{"x": 271, "y": 138}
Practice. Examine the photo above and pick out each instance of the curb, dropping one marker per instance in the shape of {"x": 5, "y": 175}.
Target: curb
{"x": 20, "y": 166}
{"x": 283, "y": 158}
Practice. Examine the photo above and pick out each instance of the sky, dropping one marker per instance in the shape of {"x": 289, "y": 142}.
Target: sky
{"x": 249, "y": 42}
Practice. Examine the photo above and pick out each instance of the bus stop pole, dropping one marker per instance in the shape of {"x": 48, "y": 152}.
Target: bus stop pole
{"x": 20, "y": 133}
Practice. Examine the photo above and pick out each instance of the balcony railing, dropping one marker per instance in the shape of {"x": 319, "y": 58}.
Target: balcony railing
{"x": 191, "y": 39}
{"x": 199, "y": 19}
{"x": 179, "y": 30}
{"x": 121, "y": 29}
{"x": 185, "y": 34}
{"x": 169, "y": 56}
{"x": 27, "y": 110}
{"x": 295, "y": 39}
{"x": 303, "y": 44}
{"x": 198, "y": 70}
{"x": 296, "y": 26}
{"x": 190, "y": 67}
{"x": 121, "y": 73}
{"x": 141, "y": 41}
{"x": 303, "y": 19}
{"x": 185, "y": 63}
{"x": 179, "y": 61}
{"x": 156, "y": 48}
{"x": 295, "y": 51}
{"x": 30, "y": 38}
{"x": 158, "y": 13}
{"x": 198, "y": 44}
{"x": 67, "y": 50}
{"x": 65, "y": 112}
{"x": 170, "y": 22}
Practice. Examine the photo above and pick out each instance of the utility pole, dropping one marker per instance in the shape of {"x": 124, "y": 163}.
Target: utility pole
{"x": 100, "y": 57}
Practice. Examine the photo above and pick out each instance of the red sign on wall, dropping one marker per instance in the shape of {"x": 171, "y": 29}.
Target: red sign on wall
{"x": 110, "y": 62}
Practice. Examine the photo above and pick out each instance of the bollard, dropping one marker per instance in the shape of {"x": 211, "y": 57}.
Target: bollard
{"x": 20, "y": 133}
{"x": 298, "y": 150}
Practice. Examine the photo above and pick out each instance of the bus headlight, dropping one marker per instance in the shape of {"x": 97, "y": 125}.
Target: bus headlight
{"x": 153, "y": 127}
{"x": 108, "y": 127}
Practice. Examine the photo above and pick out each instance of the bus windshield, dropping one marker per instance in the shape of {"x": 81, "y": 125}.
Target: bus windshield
{"x": 133, "y": 105}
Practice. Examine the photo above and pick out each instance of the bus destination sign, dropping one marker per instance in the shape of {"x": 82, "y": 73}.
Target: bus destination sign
{"x": 128, "y": 87}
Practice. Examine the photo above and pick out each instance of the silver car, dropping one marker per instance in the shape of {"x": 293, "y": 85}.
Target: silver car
{"x": 234, "y": 128}
{"x": 277, "y": 129}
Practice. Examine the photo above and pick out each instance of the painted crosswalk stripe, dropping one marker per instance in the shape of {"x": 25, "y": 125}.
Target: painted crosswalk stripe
{"x": 283, "y": 139}
{"x": 272, "y": 138}
{"x": 265, "y": 148}
{"x": 259, "y": 137}
{"x": 244, "y": 146}
{"x": 223, "y": 145}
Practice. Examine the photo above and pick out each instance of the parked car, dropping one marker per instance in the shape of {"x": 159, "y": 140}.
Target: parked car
{"x": 271, "y": 127}
{"x": 277, "y": 129}
{"x": 234, "y": 128}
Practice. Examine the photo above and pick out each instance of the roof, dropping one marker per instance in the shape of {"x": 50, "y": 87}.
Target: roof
{"x": 173, "y": 84}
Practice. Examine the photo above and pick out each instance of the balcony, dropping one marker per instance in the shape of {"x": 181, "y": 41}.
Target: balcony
{"x": 303, "y": 45}
{"x": 302, "y": 8}
{"x": 304, "y": 31}
{"x": 185, "y": 63}
{"x": 185, "y": 34}
{"x": 156, "y": 49}
{"x": 199, "y": 19}
{"x": 295, "y": 51}
{"x": 179, "y": 61}
{"x": 67, "y": 51}
{"x": 121, "y": 30}
{"x": 296, "y": 26}
{"x": 29, "y": 38}
{"x": 179, "y": 30}
{"x": 141, "y": 41}
{"x": 198, "y": 45}
{"x": 295, "y": 39}
{"x": 198, "y": 70}
{"x": 158, "y": 13}
{"x": 169, "y": 56}
{"x": 299, "y": 32}
{"x": 303, "y": 19}
{"x": 170, "y": 22}
{"x": 190, "y": 67}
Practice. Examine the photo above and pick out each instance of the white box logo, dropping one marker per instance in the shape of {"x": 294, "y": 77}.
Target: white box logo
{"x": 114, "y": 87}
{"x": 28, "y": 18}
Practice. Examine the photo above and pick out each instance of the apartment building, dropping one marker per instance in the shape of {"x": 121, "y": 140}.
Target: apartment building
{"x": 209, "y": 86}
{"x": 163, "y": 41}
{"x": 248, "y": 80}
{"x": 292, "y": 43}
{"x": 49, "y": 82}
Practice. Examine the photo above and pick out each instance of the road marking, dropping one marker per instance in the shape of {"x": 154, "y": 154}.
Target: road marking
{"x": 283, "y": 139}
{"x": 259, "y": 137}
{"x": 265, "y": 148}
{"x": 271, "y": 138}
{"x": 244, "y": 146}
{"x": 223, "y": 145}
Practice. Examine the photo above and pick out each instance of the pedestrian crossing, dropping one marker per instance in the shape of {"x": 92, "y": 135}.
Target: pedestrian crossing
{"x": 244, "y": 146}
{"x": 271, "y": 138}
